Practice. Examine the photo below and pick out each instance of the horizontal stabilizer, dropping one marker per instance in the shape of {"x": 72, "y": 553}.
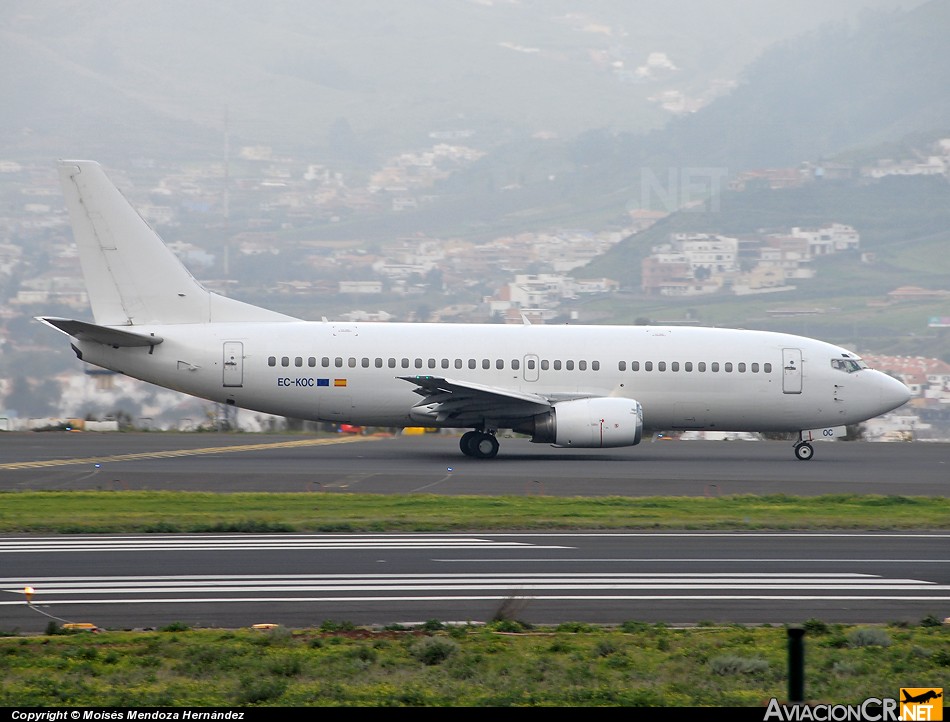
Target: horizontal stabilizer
{"x": 106, "y": 335}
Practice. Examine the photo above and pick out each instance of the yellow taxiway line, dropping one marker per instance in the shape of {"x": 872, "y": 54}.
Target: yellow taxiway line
{"x": 183, "y": 452}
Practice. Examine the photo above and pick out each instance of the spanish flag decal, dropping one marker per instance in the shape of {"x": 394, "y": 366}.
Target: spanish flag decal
{"x": 339, "y": 382}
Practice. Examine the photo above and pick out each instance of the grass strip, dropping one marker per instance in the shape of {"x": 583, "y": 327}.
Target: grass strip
{"x": 100, "y": 512}
{"x": 502, "y": 664}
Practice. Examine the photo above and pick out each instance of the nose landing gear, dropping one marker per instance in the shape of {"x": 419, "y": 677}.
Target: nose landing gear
{"x": 804, "y": 451}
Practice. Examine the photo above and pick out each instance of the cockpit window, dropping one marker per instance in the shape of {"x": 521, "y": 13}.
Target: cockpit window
{"x": 848, "y": 365}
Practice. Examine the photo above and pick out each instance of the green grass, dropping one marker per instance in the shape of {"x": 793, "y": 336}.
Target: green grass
{"x": 78, "y": 512}
{"x": 505, "y": 663}
{"x": 502, "y": 664}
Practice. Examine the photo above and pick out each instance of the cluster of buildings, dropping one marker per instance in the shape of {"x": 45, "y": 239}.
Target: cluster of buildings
{"x": 693, "y": 264}
{"x": 927, "y": 415}
{"x": 931, "y": 161}
{"x": 513, "y": 279}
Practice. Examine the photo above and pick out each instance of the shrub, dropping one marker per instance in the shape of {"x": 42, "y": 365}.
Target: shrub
{"x": 869, "y": 637}
{"x": 255, "y": 690}
{"x": 175, "y": 627}
{"x": 728, "y": 665}
{"x": 433, "y": 650}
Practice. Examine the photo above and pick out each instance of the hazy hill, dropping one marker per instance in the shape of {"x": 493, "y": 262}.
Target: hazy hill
{"x": 116, "y": 80}
{"x": 827, "y": 92}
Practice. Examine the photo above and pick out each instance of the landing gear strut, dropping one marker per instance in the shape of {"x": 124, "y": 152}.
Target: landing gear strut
{"x": 479, "y": 444}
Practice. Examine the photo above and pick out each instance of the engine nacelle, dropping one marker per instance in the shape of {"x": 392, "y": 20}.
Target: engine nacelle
{"x": 597, "y": 423}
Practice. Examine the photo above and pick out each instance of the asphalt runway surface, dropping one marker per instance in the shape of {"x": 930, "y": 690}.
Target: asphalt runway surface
{"x": 433, "y": 463}
{"x": 232, "y": 581}
{"x": 302, "y": 580}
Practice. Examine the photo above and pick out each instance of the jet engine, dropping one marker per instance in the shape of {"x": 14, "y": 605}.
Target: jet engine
{"x": 588, "y": 423}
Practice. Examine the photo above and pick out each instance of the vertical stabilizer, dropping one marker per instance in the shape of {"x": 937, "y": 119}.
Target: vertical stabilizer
{"x": 132, "y": 278}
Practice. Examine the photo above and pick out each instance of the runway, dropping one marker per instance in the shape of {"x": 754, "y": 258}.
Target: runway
{"x": 433, "y": 463}
{"x": 302, "y": 580}
{"x": 384, "y": 579}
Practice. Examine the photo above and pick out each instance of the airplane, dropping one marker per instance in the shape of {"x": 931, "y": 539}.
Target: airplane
{"x": 921, "y": 698}
{"x": 570, "y": 386}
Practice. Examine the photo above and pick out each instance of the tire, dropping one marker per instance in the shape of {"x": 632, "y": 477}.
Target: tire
{"x": 804, "y": 451}
{"x": 485, "y": 446}
{"x": 467, "y": 442}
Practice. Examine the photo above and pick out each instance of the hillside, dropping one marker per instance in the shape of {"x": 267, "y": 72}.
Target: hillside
{"x": 827, "y": 92}
{"x": 119, "y": 80}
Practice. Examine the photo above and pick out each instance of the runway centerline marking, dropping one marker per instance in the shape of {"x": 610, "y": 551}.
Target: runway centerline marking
{"x": 172, "y": 453}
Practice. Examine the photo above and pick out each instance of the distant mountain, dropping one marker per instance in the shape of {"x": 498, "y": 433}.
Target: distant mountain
{"x": 138, "y": 77}
{"x": 825, "y": 93}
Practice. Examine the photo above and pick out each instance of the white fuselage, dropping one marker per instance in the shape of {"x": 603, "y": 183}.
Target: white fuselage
{"x": 684, "y": 377}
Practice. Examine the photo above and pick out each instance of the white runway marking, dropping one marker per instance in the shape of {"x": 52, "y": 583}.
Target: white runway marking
{"x": 249, "y": 542}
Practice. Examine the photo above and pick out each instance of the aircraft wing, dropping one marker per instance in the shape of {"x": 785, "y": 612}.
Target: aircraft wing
{"x": 468, "y": 403}
{"x": 107, "y": 335}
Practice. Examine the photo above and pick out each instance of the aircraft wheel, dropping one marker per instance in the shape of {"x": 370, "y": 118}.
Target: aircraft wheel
{"x": 485, "y": 446}
{"x": 804, "y": 451}
{"x": 467, "y": 442}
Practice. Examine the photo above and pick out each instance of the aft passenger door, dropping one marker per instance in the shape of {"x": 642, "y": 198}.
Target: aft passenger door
{"x": 792, "y": 370}
{"x": 233, "y": 373}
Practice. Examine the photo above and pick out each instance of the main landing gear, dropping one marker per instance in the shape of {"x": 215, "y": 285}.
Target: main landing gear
{"x": 479, "y": 444}
{"x": 804, "y": 451}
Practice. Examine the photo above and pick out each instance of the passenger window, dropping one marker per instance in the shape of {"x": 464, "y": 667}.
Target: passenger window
{"x": 714, "y": 366}
{"x": 648, "y": 366}
{"x": 557, "y": 365}
{"x": 515, "y": 364}
{"x": 391, "y": 363}
{"x": 634, "y": 365}
{"x": 661, "y": 366}
{"x": 755, "y": 368}
{"x": 271, "y": 360}
{"x": 486, "y": 363}
{"x": 298, "y": 361}
{"x": 595, "y": 365}
{"x": 767, "y": 368}
{"x": 688, "y": 366}
{"x": 445, "y": 363}
{"x": 418, "y": 363}
{"x": 569, "y": 365}
{"x": 582, "y": 365}
{"x": 471, "y": 363}
{"x": 622, "y": 366}
{"x": 325, "y": 361}
{"x": 379, "y": 363}
{"x": 531, "y": 364}
{"x": 364, "y": 362}
{"x": 499, "y": 364}
{"x": 741, "y": 368}
{"x": 431, "y": 363}
{"x": 351, "y": 362}
{"x": 285, "y": 361}
{"x": 701, "y": 367}
{"x": 312, "y": 362}
{"x": 545, "y": 364}
{"x": 675, "y": 366}
{"x": 405, "y": 363}
{"x": 728, "y": 367}
{"x": 458, "y": 363}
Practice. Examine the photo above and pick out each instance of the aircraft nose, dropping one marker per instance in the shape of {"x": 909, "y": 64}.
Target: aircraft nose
{"x": 893, "y": 393}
